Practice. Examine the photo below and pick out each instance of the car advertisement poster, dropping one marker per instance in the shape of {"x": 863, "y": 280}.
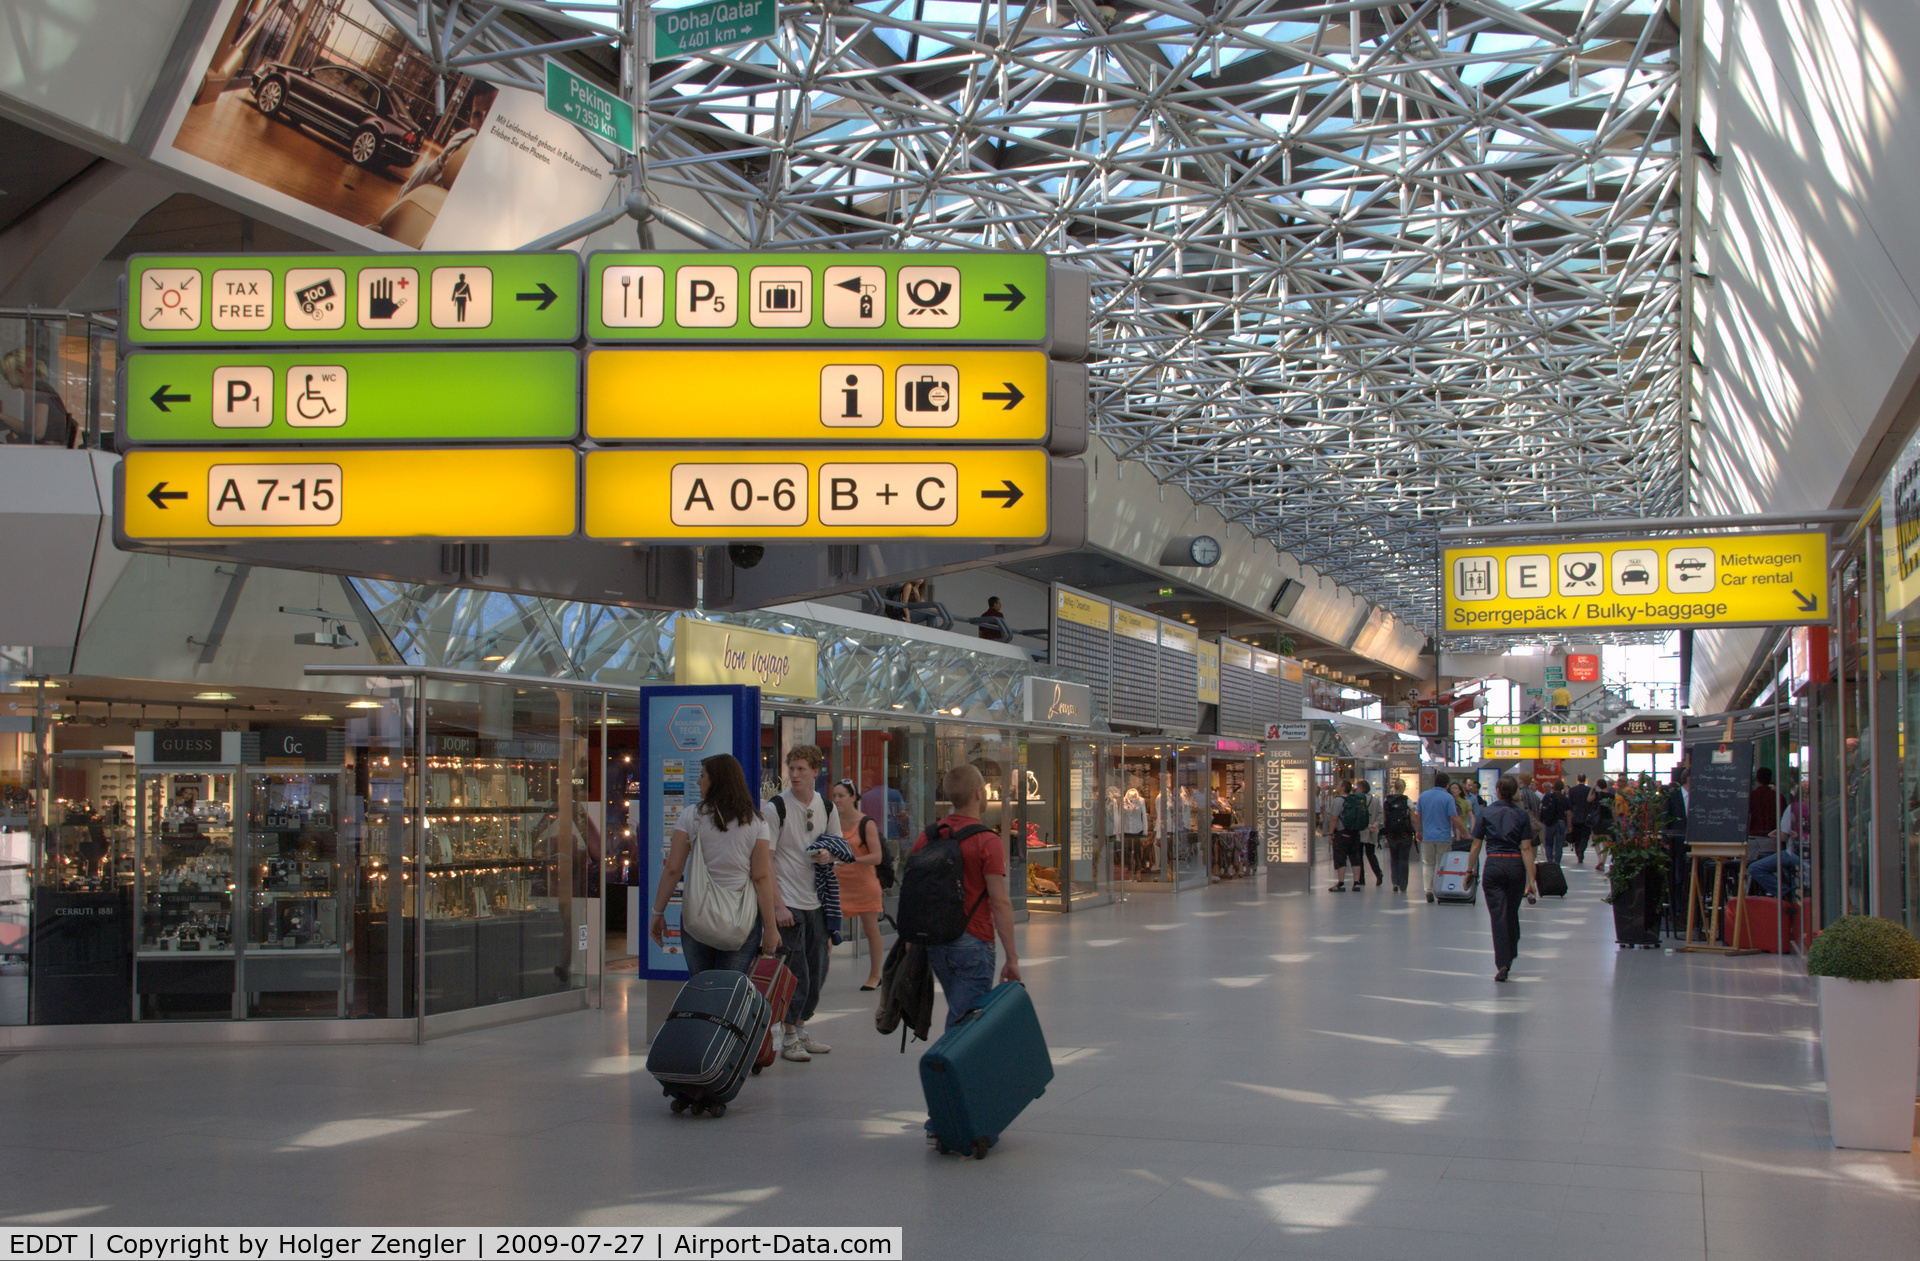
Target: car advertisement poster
{"x": 323, "y": 111}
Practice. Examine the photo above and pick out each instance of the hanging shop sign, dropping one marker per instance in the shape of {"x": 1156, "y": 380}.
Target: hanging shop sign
{"x": 1057, "y": 701}
{"x": 762, "y": 394}
{"x": 1812, "y": 657}
{"x": 1739, "y": 580}
{"x": 285, "y": 299}
{"x": 714, "y": 652}
{"x": 460, "y": 492}
{"x": 995, "y": 298}
{"x": 178, "y": 746}
{"x": 1649, "y": 747}
{"x": 839, "y": 495}
{"x": 1646, "y": 726}
{"x": 1209, "y": 685}
{"x": 1290, "y": 731}
{"x": 349, "y": 396}
{"x": 1583, "y": 667}
{"x": 1900, "y": 534}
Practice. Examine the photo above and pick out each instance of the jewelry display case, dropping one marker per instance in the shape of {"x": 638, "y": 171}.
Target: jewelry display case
{"x": 294, "y": 960}
{"x": 183, "y": 934}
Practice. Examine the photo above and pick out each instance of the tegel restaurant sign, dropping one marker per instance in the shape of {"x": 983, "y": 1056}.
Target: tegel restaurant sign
{"x": 710, "y": 653}
{"x": 1055, "y": 700}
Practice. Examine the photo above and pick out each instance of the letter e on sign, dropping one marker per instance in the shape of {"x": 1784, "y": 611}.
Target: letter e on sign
{"x": 1529, "y": 577}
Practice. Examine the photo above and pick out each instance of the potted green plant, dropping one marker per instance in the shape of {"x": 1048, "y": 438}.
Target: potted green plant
{"x": 1869, "y": 972}
{"x": 1637, "y": 865}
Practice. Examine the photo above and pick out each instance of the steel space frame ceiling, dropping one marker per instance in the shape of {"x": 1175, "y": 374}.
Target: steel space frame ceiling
{"x": 1362, "y": 268}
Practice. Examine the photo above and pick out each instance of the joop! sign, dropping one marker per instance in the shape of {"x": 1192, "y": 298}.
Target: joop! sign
{"x": 1057, "y": 701}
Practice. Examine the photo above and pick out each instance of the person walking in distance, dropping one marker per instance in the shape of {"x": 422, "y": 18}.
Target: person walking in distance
{"x": 1506, "y": 833}
{"x": 1396, "y": 829}
{"x": 964, "y": 964}
{"x": 1579, "y": 819}
{"x": 1370, "y": 838}
{"x": 795, "y": 818}
{"x": 860, "y": 879}
{"x": 1350, "y": 820}
{"x": 1600, "y": 813}
{"x": 1553, "y": 820}
{"x": 1437, "y": 816}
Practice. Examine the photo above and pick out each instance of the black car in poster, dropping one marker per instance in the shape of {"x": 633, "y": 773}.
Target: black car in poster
{"x": 343, "y": 104}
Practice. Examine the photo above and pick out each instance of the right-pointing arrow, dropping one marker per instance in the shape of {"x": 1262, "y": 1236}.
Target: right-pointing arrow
{"x": 1808, "y": 603}
{"x": 1011, "y": 395}
{"x": 1012, "y": 494}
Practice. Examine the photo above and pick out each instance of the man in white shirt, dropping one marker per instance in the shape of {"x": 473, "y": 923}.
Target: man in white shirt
{"x": 796, "y": 818}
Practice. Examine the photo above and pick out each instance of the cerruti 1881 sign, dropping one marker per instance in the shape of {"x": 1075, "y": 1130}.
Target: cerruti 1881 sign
{"x": 1644, "y": 584}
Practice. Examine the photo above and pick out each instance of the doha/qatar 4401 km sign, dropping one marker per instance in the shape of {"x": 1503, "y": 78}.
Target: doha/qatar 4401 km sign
{"x": 1643, "y": 584}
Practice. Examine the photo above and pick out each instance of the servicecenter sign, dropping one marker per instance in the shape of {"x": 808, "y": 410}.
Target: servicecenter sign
{"x": 1642, "y": 584}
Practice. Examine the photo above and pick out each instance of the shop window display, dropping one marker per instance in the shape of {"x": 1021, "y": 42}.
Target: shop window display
{"x": 1233, "y": 823}
{"x": 184, "y": 961}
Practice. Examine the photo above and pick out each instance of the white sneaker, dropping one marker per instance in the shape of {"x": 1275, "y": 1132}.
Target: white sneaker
{"x": 794, "y": 1051}
{"x": 813, "y": 1047}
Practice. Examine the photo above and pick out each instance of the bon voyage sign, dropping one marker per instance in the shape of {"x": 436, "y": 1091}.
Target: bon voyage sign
{"x": 709, "y": 653}
{"x": 700, "y": 28}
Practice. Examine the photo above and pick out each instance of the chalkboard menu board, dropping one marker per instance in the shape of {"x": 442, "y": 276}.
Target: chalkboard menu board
{"x": 1719, "y": 777}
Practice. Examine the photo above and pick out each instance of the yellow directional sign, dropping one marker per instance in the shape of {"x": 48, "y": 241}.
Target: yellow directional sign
{"x": 952, "y": 494}
{"x": 839, "y": 394}
{"x": 330, "y": 493}
{"x": 1642, "y": 584}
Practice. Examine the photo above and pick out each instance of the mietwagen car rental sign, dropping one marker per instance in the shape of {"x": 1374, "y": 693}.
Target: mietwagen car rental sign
{"x": 1638, "y": 584}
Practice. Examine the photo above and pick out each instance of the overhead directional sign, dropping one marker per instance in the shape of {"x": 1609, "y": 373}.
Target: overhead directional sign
{"x": 840, "y": 395}
{"x": 349, "y": 396}
{"x": 336, "y": 493}
{"x": 703, "y": 27}
{"x": 294, "y": 299}
{"x": 999, "y": 298}
{"x": 839, "y": 495}
{"x": 1646, "y": 584}
{"x": 589, "y": 106}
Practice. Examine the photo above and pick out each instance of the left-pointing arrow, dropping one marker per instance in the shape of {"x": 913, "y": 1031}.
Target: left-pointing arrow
{"x": 160, "y": 494}
{"x": 544, "y": 296}
{"x": 1011, "y": 394}
{"x": 161, "y": 398}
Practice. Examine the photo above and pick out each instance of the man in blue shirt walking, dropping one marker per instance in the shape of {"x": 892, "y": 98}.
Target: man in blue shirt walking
{"x": 1436, "y": 816}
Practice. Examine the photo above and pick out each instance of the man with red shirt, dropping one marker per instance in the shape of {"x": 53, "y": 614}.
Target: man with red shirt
{"x": 964, "y": 965}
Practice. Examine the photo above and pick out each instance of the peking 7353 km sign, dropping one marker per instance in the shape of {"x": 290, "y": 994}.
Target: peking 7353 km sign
{"x": 1638, "y": 584}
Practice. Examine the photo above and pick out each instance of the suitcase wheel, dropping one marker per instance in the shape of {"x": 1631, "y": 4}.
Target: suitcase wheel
{"x": 756, "y": 1070}
{"x": 716, "y": 1109}
{"x": 678, "y": 1106}
{"x": 942, "y": 1148}
{"x": 980, "y": 1146}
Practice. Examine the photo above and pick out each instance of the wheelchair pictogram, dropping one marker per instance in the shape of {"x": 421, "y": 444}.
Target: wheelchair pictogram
{"x": 317, "y": 396}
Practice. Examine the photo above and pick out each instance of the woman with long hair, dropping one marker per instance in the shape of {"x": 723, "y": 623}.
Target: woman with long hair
{"x": 860, "y": 879}
{"x": 733, "y": 844}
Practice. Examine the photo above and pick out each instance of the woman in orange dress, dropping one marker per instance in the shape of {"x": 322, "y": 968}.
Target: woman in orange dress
{"x": 860, "y": 879}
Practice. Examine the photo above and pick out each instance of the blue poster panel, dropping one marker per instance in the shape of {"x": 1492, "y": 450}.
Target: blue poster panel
{"x": 679, "y": 727}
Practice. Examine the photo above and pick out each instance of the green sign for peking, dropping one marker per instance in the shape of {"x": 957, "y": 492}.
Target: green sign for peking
{"x": 700, "y": 28}
{"x": 589, "y": 106}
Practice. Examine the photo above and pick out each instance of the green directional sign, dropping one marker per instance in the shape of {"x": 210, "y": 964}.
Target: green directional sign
{"x": 990, "y": 298}
{"x": 700, "y": 28}
{"x": 309, "y": 299}
{"x": 589, "y": 106}
{"x": 325, "y": 395}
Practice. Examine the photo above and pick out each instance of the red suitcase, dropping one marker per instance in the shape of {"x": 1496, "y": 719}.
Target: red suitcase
{"x": 775, "y": 981}
{"x": 1763, "y": 925}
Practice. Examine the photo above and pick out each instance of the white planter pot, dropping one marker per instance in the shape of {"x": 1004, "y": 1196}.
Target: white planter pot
{"x": 1872, "y": 1057}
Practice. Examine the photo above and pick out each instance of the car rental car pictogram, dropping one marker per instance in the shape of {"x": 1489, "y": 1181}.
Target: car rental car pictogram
{"x": 344, "y": 105}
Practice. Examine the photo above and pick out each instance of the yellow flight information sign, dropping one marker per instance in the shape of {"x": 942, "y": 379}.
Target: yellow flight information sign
{"x": 333, "y": 493}
{"x": 836, "y": 496}
{"x": 1640, "y": 584}
{"x": 841, "y": 394}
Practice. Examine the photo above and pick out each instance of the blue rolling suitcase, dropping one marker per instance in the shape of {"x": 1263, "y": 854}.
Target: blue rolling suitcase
{"x": 708, "y": 1043}
{"x": 984, "y": 1071}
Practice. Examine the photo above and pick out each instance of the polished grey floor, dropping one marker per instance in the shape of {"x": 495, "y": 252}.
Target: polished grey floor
{"x": 1238, "y": 1075}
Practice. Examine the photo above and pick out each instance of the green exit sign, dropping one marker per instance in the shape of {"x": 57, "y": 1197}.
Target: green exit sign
{"x": 700, "y": 28}
{"x": 589, "y": 106}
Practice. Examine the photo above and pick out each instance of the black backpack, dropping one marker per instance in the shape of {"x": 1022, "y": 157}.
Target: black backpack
{"x": 1353, "y": 815}
{"x": 1396, "y": 817}
{"x": 933, "y": 906}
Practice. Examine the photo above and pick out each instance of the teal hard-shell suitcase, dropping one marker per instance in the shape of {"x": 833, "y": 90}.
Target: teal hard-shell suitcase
{"x": 984, "y": 1070}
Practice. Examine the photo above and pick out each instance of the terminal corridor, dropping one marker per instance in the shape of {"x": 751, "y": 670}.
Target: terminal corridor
{"x": 1238, "y": 1075}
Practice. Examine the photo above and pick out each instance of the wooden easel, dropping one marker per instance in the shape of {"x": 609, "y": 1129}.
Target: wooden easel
{"x": 1719, "y": 853}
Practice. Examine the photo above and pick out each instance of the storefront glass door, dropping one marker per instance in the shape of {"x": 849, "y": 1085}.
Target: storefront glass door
{"x": 1189, "y": 814}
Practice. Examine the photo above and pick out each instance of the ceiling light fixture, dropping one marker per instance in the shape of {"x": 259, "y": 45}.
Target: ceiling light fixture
{"x": 316, "y": 718}
{"x": 366, "y": 704}
{"x": 215, "y": 696}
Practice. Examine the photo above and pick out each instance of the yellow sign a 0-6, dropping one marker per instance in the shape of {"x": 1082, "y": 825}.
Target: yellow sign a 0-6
{"x": 1736, "y": 580}
{"x": 837, "y": 496}
{"x": 466, "y": 492}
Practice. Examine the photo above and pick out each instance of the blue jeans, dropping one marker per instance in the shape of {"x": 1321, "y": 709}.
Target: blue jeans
{"x": 807, "y": 947}
{"x": 965, "y": 969}
{"x": 1763, "y": 873}
{"x": 701, "y": 957}
{"x": 1556, "y": 841}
